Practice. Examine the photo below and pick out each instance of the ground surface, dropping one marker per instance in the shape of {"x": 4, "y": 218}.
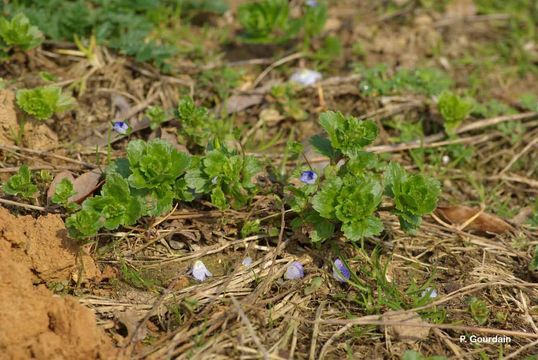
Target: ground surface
{"x": 128, "y": 293}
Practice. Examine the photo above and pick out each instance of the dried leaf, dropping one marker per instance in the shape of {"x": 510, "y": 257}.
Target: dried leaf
{"x": 238, "y": 103}
{"x": 130, "y": 318}
{"x": 85, "y": 185}
{"x": 412, "y": 327}
{"x": 59, "y": 177}
{"x": 484, "y": 223}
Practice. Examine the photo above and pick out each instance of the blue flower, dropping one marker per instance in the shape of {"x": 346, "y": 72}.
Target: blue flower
{"x": 311, "y": 3}
{"x": 247, "y": 261}
{"x": 306, "y": 77}
{"x": 430, "y": 292}
{"x": 340, "y": 271}
{"x": 199, "y": 271}
{"x": 294, "y": 271}
{"x": 309, "y": 177}
{"x": 120, "y": 127}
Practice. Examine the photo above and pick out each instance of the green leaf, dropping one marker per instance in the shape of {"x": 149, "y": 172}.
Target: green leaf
{"x": 266, "y": 21}
{"x": 20, "y": 33}
{"x": 43, "y": 102}
{"x": 346, "y": 133}
{"x": 454, "y": 110}
{"x": 86, "y": 222}
{"x": 360, "y": 229}
{"x": 21, "y": 184}
{"x": 63, "y": 192}
{"x": 218, "y": 199}
{"x": 325, "y": 201}
{"x": 323, "y": 146}
{"x": 322, "y": 229}
{"x": 155, "y": 164}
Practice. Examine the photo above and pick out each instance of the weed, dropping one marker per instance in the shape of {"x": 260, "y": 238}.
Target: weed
{"x": 21, "y": 184}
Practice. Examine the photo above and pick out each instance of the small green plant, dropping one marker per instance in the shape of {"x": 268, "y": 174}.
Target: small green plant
{"x": 18, "y": 33}
{"x": 266, "y": 21}
{"x": 156, "y": 116}
{"x": 269, "y": 21}
{"x": 43, "y": 102}
{"x": 62, "y": 193}
{"x": 226, "y": 175}
{"x": 197, "y": 125}
{"x": 21, "y": 184}
{"x": 377, "y": 80}
{"x": 479, "y": 310}
{"x": 349, "y": 193}
{"x": 454, "y": 109}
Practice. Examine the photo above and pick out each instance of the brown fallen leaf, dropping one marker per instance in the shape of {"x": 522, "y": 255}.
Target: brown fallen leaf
{"x": 59, "y": 177}
{"x": 85, "y": 185}
{"x": 483, "y": 223}
{"x": 410, "y": 326}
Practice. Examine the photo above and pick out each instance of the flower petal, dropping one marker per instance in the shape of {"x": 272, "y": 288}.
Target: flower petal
{"x": 294, "y": 271}
{"x": 199, "y": 271}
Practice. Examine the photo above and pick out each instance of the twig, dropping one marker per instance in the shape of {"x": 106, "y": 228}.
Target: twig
{"x": 315, "y": 332}
{"x": 331, "y": 339}
{"x": 22, "y": 205}
{"x": 250, "y": 329}
{"x": 521, "y": 349}
{"x": 44, "y": 153}
{"x": 277, "y": 63}
{"x": 520, "y": 154}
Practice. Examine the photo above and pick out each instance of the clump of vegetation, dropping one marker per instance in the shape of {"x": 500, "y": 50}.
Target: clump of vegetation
{"x": 43, "y": 102}
{"x": 454, "y": 110}
{"x": 269, "y": 21}
{"x": 349, "y": 192}
{"x": 18, "y": 33}
{"x": 21, "y": 184}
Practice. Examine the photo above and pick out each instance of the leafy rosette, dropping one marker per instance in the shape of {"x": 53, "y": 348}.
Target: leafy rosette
{"x": 352, "y": 201}
{"x": 43, "y": 102}
{"x": 155, "y": 167}
{"x": 346, "y": 134}
{"x": 113, "y": 208}
{"x": 414, "y": 195}
{"x": 226, "y": 176}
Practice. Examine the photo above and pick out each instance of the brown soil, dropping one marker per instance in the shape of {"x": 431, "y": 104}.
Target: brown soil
{"x": 36, "y": 324}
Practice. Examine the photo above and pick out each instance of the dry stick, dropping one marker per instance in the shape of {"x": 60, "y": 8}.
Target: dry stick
{"x": 27, "y": 206}
{"x": 250, "y": 329}
{"x": 521, "y": 349}
{"x": 315, "y": 332}
{"x": 331, "y": 339}
{"x": 276, "y": 64}
{"x": 520, "y": 154}
{"x": 44, "y": 153}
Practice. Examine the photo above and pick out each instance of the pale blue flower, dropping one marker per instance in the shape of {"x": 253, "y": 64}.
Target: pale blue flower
{"x": 431, "y": 292}
{"x": 306, "y": 77}
{"x": 311, "y": 3}
{"x": 309, "y": 177}
{"x": 120, "y": 127}
{"x": 294, "y": 271}
{"x": 340, "y": 271}
{"x": 247, "y": 261}
{"x": 199, "y": 271}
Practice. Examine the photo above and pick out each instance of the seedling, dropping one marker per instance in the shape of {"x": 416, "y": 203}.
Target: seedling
{"x": 479, "y": 310}
{"x": 454, "y": 109}
{"x": 348, "y": 194}
{"x": 43, "y": 102}
{"x": 226, "y": 175}
{"x": 62, "y": 193}
{"x": 18, "y": 33}
{"x": 21, "y": 184}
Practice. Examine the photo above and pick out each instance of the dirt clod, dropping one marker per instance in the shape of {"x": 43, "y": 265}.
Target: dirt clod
{"x": 42, "y": 325}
